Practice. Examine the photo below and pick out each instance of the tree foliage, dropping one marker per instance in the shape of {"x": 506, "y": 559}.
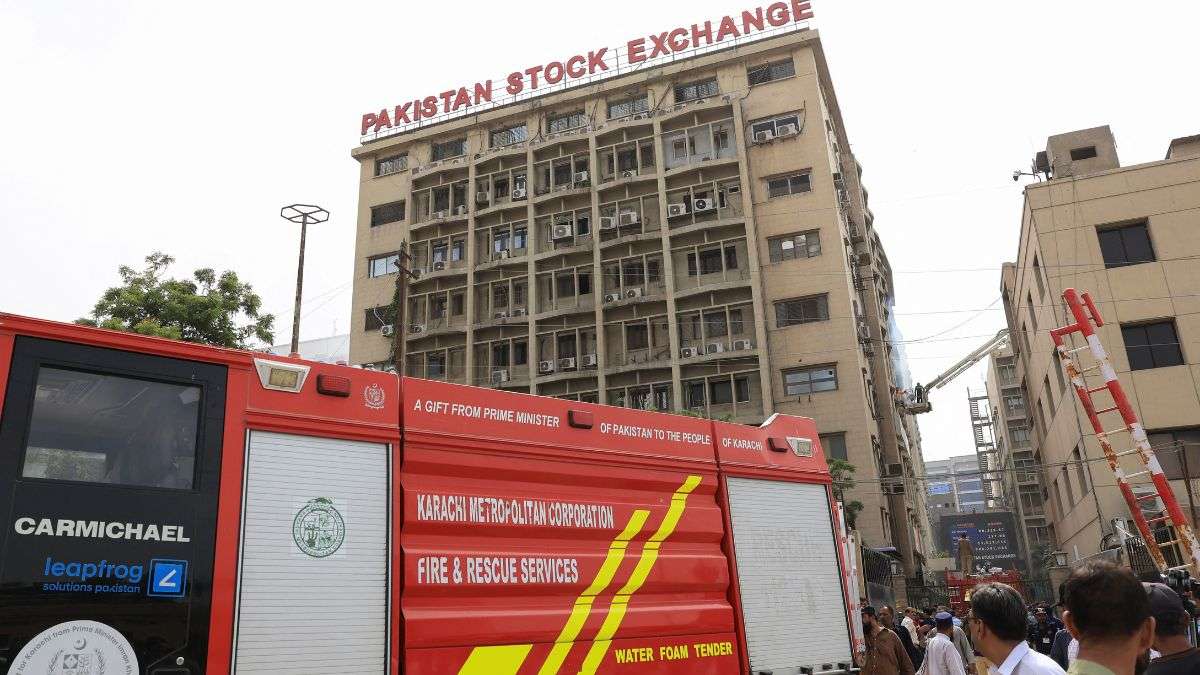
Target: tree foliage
{"x": 209, "y": 308}
{"x": 842, "y": 473}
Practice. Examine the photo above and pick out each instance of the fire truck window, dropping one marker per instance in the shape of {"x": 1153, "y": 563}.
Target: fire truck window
{"x": 111, "y": 429}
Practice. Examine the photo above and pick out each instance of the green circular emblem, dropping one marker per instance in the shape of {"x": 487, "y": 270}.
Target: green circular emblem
{"x": 318, "y": 528}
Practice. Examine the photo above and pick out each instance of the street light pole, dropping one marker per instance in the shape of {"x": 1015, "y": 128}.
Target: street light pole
{"x": 302, "y": 214}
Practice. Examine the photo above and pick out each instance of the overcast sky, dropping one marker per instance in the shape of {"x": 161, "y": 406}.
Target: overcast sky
{"x": 130, "y": 127}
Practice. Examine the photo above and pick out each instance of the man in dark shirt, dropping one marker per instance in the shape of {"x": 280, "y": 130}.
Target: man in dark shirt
{"x": 1170, "y": 634}
{"x": 888, "y": 618}
{"x": 885, "y": 653}
{"x": 1041, "y": 634}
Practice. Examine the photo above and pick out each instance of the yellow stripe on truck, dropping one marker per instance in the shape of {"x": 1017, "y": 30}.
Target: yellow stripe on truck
{"x": 620, "y": 603}
{"x": 583, "y": 604}
{"x": 495, "y": 660}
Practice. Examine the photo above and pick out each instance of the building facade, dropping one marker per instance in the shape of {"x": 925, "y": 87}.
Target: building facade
{"x": 690, "y": 237}
{"x": 954, "y": 485}
{"x": 1128, "y": 235}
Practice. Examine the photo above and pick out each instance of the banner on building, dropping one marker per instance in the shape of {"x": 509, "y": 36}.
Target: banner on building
{"x": 992, "y": 535}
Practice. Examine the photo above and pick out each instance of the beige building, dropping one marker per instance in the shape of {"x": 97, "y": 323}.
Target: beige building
{"x": 1128, "y": 235}
{"x": 689, "y": 237}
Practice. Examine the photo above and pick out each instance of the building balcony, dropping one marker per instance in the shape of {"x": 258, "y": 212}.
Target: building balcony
{"x": 423, "y": 328}
{"x": 445, "y": 216}
{"x": 576, "y": 243}
{"x": 458, "y": 163}
{"x": 634, "y": 359}
{"x": 566, "y": 305}
{"x": 499, "y": 316}
{"x": 427, "y": 270}
{"x": 689, "y": 285}
{"x": 566, "y": 368}
{"x": 508, "y": 256}
{"x": 501, "y": 375}
{"x": 503, "y": 203}
{"x": 632, "y": 294}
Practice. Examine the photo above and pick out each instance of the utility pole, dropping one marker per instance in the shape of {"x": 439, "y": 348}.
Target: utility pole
{"x": 303, "y": 214}
{"x": 400, "y": 327}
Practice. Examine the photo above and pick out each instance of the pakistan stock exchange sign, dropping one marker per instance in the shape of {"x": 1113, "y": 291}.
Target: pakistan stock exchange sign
{"x": 992, "y": 535}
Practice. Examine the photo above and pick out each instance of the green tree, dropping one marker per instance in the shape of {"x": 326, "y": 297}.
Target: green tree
{"x": 842, "y": 473}
{"x": 208, "y": 308}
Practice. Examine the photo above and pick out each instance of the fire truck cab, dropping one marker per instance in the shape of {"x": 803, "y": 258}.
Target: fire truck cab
{"x": 171, "y": 508}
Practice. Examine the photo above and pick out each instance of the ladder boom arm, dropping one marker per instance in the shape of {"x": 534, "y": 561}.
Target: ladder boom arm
{"x": 970, "y": 360}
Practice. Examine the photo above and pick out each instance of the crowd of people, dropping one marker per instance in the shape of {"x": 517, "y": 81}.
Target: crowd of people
{"x": 1110, "y": 624}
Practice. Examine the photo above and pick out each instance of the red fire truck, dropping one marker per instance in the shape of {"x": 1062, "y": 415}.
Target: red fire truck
{"x": 175, "y": 508}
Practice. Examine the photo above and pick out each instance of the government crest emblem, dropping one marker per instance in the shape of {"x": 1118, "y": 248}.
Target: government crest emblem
{"x": 318, "y": 528}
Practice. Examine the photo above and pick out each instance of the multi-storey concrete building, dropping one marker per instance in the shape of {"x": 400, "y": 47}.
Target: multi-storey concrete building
{"x": 1128, "y": 235}
{"x": 954, "y": 485}
{"x": 688, "y": 237}
{"x": 1018, "y": 465}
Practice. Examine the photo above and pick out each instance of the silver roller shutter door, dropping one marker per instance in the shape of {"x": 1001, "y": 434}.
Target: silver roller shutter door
{"x": 300, "y": 613}
{"x": 789, "y": 576}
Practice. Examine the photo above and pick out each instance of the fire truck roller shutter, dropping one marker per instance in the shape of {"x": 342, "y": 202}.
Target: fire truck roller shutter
{"x": 789, "y": 575}
{"x": 313, "y": 581}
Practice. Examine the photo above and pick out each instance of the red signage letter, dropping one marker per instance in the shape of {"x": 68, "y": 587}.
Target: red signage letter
{"x": 635, "y": 51}
{"x": 575, "y": 66}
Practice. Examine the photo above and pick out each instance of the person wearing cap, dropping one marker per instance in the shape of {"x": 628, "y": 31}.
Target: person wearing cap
{"x": 1177, "y": 655}
{"x": 1041, "y": 635}
{"x": 1108, "y": 611}
{"x": 941, "y": 656}
{"x": 997, "y": 623}
{"x": 885, "y": 654}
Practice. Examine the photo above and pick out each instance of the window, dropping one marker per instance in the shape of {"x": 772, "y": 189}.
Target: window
{"x": 1152, "y": 345}
{"x": 709, "y": 262}
{"x": 509, "y": 136}
{"x": 1047, "y": 396}
{"x": 1019, "y": 435}
{"x": 802, "y": 381}
{"x": 695, "y": 90}
{"x": 1080, "y": 472}
{"x": 458, "y": 250}
{"x": 773, "y": 125}
{"x": 436, "y": 365}
{"x": 385, "y": 166}
{"x": 384, "y": 264}
{"x": 715, "y": 324}
{"x": 376, "y": 317}
{"x": 1078, "y": 154}
{"x": 520, "y": 353}
{"x": 447, "y": 149}
{"x": 770, "y": 72}
{"x": 693, "y": 393}
{"x": 735, "y": 322}
{"x": 111, "y": 429}
{"x": 637, "y": 336}
{"x": 789, "y": 185}
{"x": 1169, "y": 446}
{"x": 834, "y": 445}
{"x": 438, "y": 307}
{"x": 500, "y": 296}
{"x": 566, "y": 121}
{"x": 1032, "y": 311}
{"x": 1125, "y": 245}
{"x": 1062, "y": 379}
{"x": 387, "y": 213}
{"x": 627, "y": 107}
{"x": 794, "y": 246}
{"x": 1037, "y": 275}
{"x": 458, "y": 304}
{"x": 731, "y": 257}
{"x": 802, "y": 310}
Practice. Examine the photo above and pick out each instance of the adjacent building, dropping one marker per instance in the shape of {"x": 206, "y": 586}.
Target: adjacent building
{"x": 954, "y": 485}
{"x": 1129, "y": 236}
{"x": 689, "y": 237}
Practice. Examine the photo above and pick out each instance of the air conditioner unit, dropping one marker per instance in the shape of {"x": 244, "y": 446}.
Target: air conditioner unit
{"x": 416, "y": 328}
{"x": 567, "y": 363}
{"x": 481, "y": 197}
{"x": 581, "y": 176}
{"x": 417, "y": 272}
{"x": 676, "y": 210}
{"x": 518, "y": 193}
{"x": 688, "y": 352}
{"x": 502, "y": 254}
{"x": 864, "y": 333}
{"x": 562, "y": 231}
{"x": 629, "y": 173}
{"x": 439, "y": 265}
{"x": 634, "y": 292}
{"x": 741, "y": 345}
{"x": 630, "y": 218}
{"x": 787, "y": 130}
{"x": 541, "y": 190}
{"x": 439, "y": 214}
{"x": 612, "y": 297}
{"x": 387, "y": 330}
{"x": 764, "y": 136}
{"x": 608, "y": 223}
{"x": 703, "y": 204}
{"x": 864, "y": 259}
{"x": 589, "y": 360}
{"x": 460, "y": 210}
{"x": 545, "y": 366}
{"x": 714, "y": 347}
{"x": 499, "y": 376}
{"x": 503, "y": 314}
{"x": 519, "y": 311}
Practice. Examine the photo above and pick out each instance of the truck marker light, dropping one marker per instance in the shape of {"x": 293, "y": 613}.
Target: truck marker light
{"x": 333, "y": 385}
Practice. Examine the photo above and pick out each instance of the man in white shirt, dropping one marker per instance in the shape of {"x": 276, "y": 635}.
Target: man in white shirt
{"x": 941, "y": 656}
{"x": 998, "y": 626}
{"x": 909, "y": 624}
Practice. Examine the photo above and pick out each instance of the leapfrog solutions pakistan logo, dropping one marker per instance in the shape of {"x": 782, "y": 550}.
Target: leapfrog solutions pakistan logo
{"x": 318, "y": 528}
